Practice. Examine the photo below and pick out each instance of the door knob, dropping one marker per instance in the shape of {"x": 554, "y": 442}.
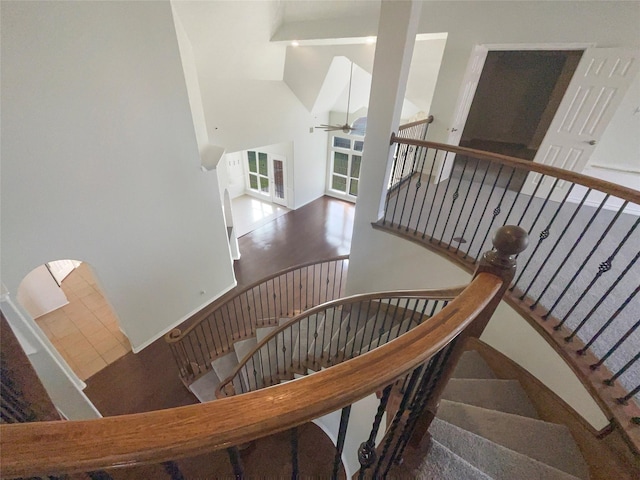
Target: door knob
{"x": 592, "y": 142}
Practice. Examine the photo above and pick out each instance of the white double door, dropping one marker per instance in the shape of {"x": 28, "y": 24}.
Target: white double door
{"x": 592, "y": 97}
{"x": 266, "y": 176}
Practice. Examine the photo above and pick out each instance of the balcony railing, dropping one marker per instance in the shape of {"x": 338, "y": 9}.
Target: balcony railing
{"x": 579, "y": 281}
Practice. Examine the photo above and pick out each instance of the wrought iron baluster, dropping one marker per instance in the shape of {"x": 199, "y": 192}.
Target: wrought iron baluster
{"x": 415, "y": 197}
{"x": 610, "y": 321}
{"x": 484, "y": 209}
{"x": 433, "y": 200}
{"x": 295, "y": 469}
{"x": 454, "y": 197}
{"x": 406, "y": 196}
{"x": 604, "y": 358}
{"x": 426, "y": 190}
{"x": 173, "y": 470}
{"x": 397, "y": 189}
{"x": 604, "y": 267}
{"x": 342, "y": 433}
{"x": 464, "y": 202}
{"x": 236, "y": 462}
{"x": 367, "y": 452}
{"x": 496, "y": 212}
{"x": 624, "y": 400}
{"x": 396, "y": 420}
{"x": 545, "y": 233}
{"x": 626, "y": 367}
{"x": 444, "y": 197}
{"x": 603, "y": 297}
{"x": 473, "y": 208}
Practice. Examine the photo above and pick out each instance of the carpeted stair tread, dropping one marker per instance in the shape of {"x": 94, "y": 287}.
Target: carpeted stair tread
{"x": 304, "y": 339}
{"x": 264, "y": 332}
{"x": 395, "y": 332}
{"x": 442, "y": 464}
{"x": 472, "y": 365}
{"x": 543, "y": 441}
{"x": 499, "y": 462}
{"x": 503, "y": 395}
{"x": 204, "y": 388}
{"x": 224, "y": 366}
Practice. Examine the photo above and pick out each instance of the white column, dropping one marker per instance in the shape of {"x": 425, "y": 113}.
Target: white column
{"x": 394, "y": 48}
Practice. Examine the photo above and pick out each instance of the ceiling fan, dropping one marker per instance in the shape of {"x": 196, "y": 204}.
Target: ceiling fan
{"x": 346, "y": 128}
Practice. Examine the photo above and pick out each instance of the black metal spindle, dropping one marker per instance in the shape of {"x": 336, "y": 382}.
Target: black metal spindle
{"x": 626, "y": 367}
{"x": 545, "y": 234}
{"x": 435, "y": 195}
{"x": 426, "y": 190}
{"x": 496, "y": 212}
{"x": 473, "y": 208}
{"x": 454, "y": 197}
{"x": 295, "y": 469}
{"x": 444, "y": 197}
{"x": 396, "y": 189}
{"x": 464, "y": 202}
{"x": 615, "y": 346}
{"x": 628, "y": 396}
{"x": 396, "y": 420}
{"x": 415, "y": 196}
{"x": 603, "y": 297}
{"x": 484, "y": 209}
{"x": 602, "y": 268}
{"x": 342, "y": 434}
{"x": 236, "y": 462}
{"x": 367, "y": 452}
{"x": 173, "y": 470}
{"x": 99, "y": 475}
{"x": 610, "y": 320}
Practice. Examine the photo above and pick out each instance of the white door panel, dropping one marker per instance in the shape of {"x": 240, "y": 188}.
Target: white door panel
{"x": 595, "y": 92}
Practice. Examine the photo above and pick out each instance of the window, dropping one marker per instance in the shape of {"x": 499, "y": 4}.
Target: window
{"x": 346, "y": 157}
{"x": 258, "y": 172}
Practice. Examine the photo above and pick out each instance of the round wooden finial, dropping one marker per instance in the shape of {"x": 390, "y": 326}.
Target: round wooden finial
{"x": 175, "y": 333}
{"x": 510, "y": 240}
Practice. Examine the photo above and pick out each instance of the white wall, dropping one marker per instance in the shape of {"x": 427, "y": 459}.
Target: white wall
{"x": 39, "y": 293}
{"x": 100, "y": 160}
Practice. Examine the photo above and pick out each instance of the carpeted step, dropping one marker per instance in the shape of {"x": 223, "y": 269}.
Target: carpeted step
{"x": 264, "y": 332}
{"x": 503, "y": 395}
{"x": 204, "y": 388}
{"x": 343, "y": 335}
{"x": 252, "y": 375}
{"x": 442, "y": 464}
{"x": 499, "y": 462}
{"x": 306, "y": 328}
{"x": 547, "y": 442}
{"x": 224, "y": 366}
{"x": 375, "y": 327}
{"x": 319, "y": 349}
{"x": 472, "y": 365}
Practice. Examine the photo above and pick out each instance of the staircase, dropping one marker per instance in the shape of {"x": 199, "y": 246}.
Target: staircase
{"x": 486, "y": 428}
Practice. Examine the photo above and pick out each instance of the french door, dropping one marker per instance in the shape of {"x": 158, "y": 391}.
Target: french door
{"x": 266, "y": 176}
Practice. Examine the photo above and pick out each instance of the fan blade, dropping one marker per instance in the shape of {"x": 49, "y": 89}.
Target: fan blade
{"x": 330, "y": 128}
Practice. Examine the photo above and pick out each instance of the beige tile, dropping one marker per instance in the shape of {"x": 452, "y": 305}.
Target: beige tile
{"x": 73, "y": 308}
{"x": 94, "y": 301}
{"x": 71, "y": 341}
{"x": 101, "y": 335}
{"x": 104, "y": 313}
{"x": 63, "y": 328}
{"x": 85, "y": 353}
{"x": 83, "y": 290}
{"x": 107, "y": 344}
{"x": 114, "y": 354}
{"x": 90, "y": 368}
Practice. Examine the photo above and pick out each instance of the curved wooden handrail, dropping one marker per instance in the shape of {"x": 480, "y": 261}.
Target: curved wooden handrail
{"x": 429, "y": 119}
{"x": 432, "y": 294}
{"x": 173, "y": 336}
{"x": 620, "y": 191}
{"x": 63, "y": 447}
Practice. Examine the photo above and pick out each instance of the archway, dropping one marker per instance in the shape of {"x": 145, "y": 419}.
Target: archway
{"x": 68, "y": 305}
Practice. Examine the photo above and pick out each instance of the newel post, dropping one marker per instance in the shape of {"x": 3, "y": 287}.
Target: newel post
{"x": 508, "y": 242}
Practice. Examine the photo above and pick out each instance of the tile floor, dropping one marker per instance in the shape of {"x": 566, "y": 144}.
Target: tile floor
{"x": 250, "y": 213}
{"x": 85, "y": 331}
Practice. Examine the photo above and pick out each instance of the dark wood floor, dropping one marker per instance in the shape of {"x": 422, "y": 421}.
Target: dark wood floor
{"x": 149, "y": 380}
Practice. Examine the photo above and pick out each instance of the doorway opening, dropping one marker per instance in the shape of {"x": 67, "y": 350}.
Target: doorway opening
{"x": 518, "y": 94}
{"x": 66, "y": 302}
